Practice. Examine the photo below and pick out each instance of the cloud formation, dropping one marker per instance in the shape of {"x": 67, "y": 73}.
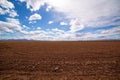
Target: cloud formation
{"x": 48, "y": 8}
{"x": 63, "y": 23}
{"x": 35, "y": 17}
{"x": 13, "y": 21}
{"x": 10, "y": 26}
{"x": 76, "y": 15}
{"x": 6, "y": 4}
{"x": 88, "y": 11}
{"x": 75, "y": 25}
{"x": 50, "y": 22}
{"x": 34, "y": 5}
{"x": 6, "y": 7}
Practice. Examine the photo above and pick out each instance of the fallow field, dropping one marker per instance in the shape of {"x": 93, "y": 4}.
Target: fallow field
{"x": 57, "y": 60}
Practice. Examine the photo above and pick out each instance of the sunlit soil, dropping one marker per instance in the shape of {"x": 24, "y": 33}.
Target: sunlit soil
{"x": 86, "y": 60}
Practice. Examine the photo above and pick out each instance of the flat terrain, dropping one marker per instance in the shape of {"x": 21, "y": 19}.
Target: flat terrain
{"x": 82, "y": 60}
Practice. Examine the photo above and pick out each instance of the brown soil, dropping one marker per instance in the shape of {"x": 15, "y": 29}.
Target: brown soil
{"x": 87, "y": 60}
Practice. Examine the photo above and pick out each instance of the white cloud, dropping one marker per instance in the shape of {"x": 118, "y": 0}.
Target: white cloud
{"x": 6, "y": 4}
{"x": 90, "y": 12}
{"x": 25, "y": 27}
{"x": 75, "y": 25}
{"x": 38, "y": 28}
{"x": 111, "y": 31}
{"x": 48, "y": 8}
{"x": 13, "y": 21}
{"x": 63, "y": 23}
{"x": 56, "y": 30}
{"x": 79, "y": 13}
{"x": 5, "y": 29}
{"x": 7, "y": 8}
{"x": 50, "y": 34}
{"x": 2, "y": 11}
{"x": 35, "y": 17}
{"x": 34, "y": 32}
{"x": 9, "y": 27}
{"x": 57, "y": 34}
{"x": 32, "y": 22}
{"x": 12, "y": 13}
{"x": 50, "y": 22}
{"x": 33, "y": 5}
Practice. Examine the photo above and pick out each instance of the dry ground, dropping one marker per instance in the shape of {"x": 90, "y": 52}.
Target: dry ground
{"x": 95, "y": 60}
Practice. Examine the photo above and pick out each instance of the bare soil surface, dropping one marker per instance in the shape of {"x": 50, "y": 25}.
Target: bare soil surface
{"x": 81, "y": 60}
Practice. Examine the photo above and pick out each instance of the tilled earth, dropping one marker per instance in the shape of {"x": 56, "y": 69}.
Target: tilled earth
{"x": 89, "y": 60}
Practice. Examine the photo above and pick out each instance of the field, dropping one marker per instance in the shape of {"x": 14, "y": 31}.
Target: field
{"x": 80, "y": 60}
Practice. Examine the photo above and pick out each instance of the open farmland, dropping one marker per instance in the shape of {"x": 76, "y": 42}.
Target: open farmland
{"x": 82, "y": 60}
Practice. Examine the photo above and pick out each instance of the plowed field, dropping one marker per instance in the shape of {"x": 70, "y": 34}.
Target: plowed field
{"x": 81, "y": 60}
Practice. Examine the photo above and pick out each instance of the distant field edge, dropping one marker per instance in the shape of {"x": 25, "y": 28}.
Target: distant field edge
{"x": 59, "y": 40}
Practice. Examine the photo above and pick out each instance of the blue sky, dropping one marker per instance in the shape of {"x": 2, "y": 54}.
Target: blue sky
{"x": 60, "y": 19}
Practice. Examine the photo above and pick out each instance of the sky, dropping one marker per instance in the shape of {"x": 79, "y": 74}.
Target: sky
{"x": 59, "y": 20}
